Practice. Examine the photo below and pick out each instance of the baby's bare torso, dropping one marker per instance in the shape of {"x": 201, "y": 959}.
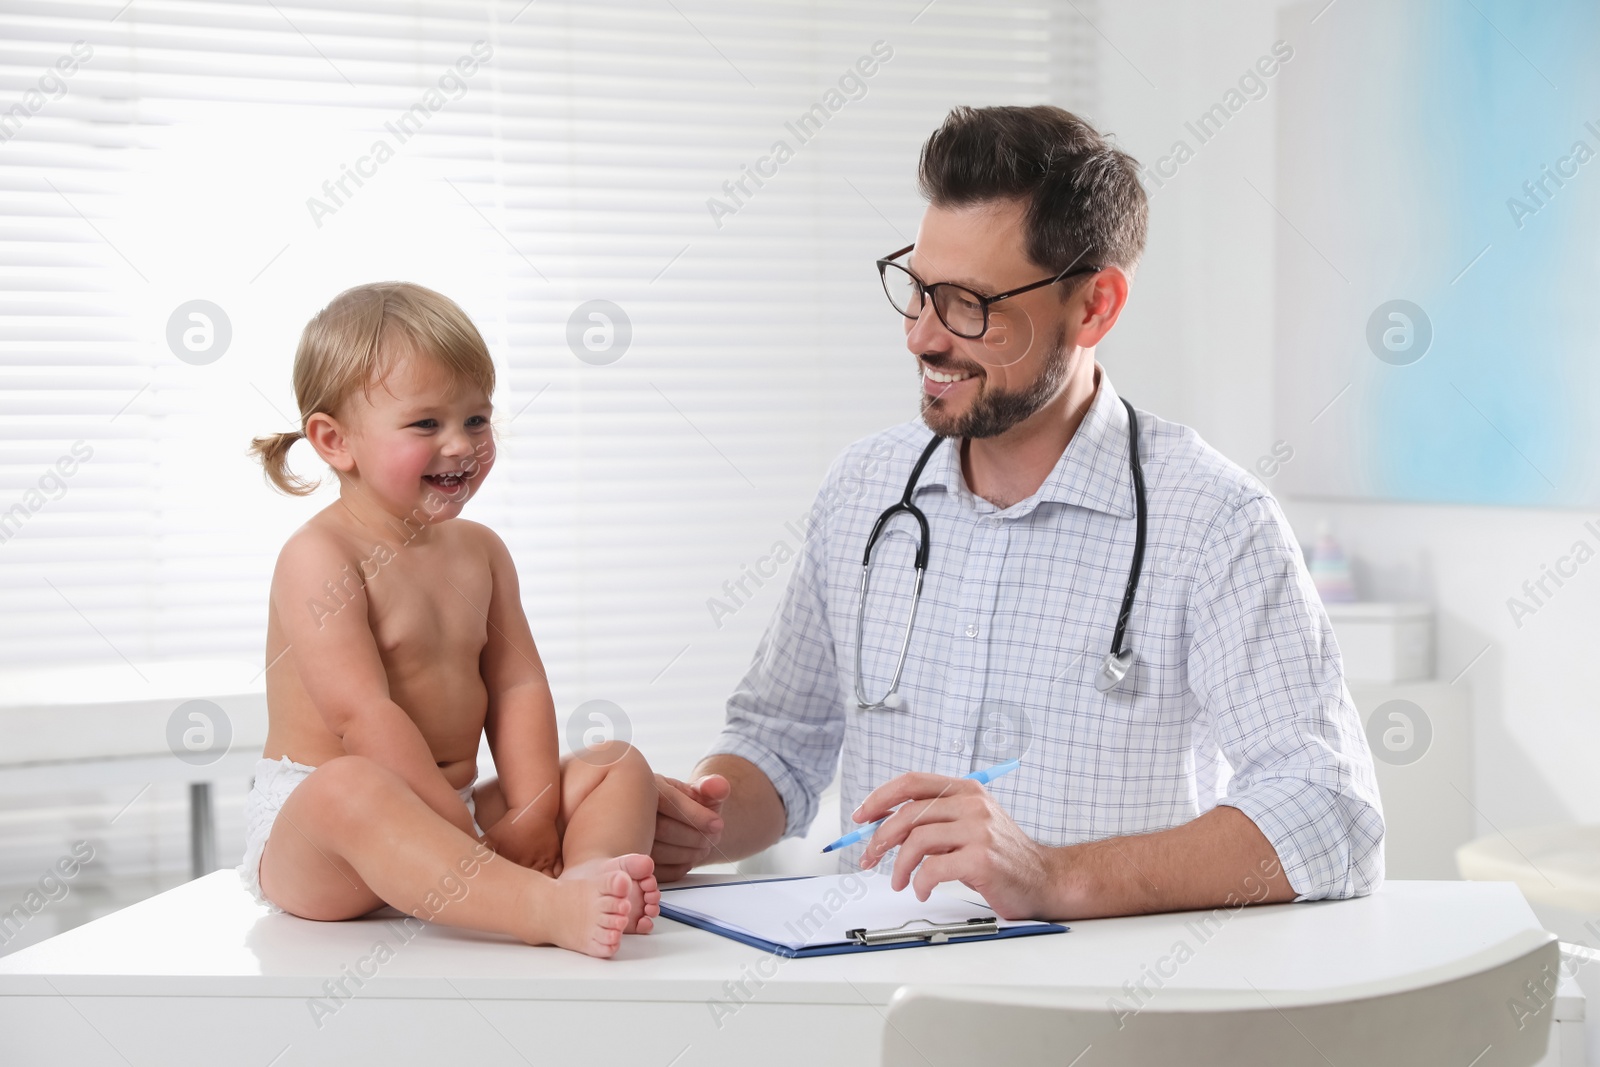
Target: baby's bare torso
{"x": 425, "y": 600}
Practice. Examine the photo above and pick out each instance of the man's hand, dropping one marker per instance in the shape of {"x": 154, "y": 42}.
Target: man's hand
{"x": 956, "y": 831}
{"x": 688, "y": 824}
{"x": 530, "y": 842}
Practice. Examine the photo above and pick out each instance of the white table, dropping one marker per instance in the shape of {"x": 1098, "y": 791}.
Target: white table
{"x": 105, "y": 725}
{"x": 203, "y": 975}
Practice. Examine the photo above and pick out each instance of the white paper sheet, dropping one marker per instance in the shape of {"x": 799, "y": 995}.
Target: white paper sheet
{"x": 799, "y": 912}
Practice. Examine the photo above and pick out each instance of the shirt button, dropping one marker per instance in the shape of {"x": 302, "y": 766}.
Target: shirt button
{"x": 957, "y": 745}
{"x": 972, "y": 629}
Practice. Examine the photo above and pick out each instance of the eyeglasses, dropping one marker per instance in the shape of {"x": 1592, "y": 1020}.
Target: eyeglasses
{"x": 963, "y": 312}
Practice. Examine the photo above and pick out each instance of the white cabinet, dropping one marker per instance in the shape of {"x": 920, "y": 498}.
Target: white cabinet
{"x": 1383, "y": 642}
{"x": 1421, "y": 738}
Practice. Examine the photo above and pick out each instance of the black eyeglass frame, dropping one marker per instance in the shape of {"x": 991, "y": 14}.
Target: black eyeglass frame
{"x": 983, "y": 301}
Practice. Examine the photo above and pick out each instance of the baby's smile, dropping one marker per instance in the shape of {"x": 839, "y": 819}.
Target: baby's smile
{"x": 451, "y": 483}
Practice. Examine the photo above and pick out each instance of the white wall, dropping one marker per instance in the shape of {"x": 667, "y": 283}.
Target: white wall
{"x": 1196, "y": 345}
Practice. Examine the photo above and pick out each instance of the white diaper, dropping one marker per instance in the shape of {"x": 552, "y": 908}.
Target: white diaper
{"x": 275, "y": 780}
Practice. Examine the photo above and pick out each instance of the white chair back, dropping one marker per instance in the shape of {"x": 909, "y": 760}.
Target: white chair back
{"x": 1493, "y": 1010}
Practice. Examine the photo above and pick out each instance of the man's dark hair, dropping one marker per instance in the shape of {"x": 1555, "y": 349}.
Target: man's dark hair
{"x": 1084, "y": 200}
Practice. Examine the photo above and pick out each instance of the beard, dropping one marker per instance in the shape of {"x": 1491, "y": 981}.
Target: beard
{"x": 995, "y": 411}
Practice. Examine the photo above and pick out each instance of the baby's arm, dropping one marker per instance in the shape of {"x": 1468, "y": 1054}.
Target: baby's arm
{"x": 336, "y": 659}
{"x": 521, "y": 722}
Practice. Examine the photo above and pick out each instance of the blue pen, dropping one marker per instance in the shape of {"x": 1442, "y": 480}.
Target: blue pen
{"x": 983, "y": 777}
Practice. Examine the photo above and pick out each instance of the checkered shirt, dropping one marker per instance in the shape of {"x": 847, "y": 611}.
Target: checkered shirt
{"x": 1236, "y": 695}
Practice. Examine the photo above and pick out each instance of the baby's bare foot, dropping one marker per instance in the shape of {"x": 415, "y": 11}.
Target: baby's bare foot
{"x": 584, "y": 914}
{"x": 644, "y": 894}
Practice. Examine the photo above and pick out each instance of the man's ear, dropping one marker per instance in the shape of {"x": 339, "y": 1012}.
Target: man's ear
{"x": 1103, "y": 300}
{"x": 331, "y": 440}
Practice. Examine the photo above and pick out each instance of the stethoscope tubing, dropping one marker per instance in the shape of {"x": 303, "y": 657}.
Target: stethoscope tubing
{"x": 1116, "y": 664}
{"x": 1136, "y": 567}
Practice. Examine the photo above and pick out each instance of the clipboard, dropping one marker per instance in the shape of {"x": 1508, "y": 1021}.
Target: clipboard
{"x": 980, "y": 924}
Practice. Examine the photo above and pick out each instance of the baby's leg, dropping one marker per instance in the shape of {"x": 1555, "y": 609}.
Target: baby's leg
{"x": 353, "y": 836}
{"x": 608, "y": 805}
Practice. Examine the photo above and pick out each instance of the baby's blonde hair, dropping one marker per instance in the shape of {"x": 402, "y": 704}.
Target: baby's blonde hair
{"x": 341, "y": 350}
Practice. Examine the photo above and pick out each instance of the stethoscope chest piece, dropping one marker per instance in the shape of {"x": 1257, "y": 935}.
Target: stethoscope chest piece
{"x": 1113, "y": 669}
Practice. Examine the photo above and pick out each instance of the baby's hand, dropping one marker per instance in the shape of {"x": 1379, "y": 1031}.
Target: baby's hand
{"x": 529, "y": 842}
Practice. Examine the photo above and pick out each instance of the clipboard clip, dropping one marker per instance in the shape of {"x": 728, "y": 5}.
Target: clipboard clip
{"x": 935, "y": 934}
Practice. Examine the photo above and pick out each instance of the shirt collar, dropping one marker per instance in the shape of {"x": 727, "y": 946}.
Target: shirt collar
{"x": 1091, "y": 473}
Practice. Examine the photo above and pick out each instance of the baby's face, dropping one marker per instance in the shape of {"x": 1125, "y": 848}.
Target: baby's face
{"x": 422, "y": 440}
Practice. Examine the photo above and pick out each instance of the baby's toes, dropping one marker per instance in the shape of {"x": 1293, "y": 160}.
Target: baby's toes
{"x": 638, "y": 866}
{"x": 617, "y": 887}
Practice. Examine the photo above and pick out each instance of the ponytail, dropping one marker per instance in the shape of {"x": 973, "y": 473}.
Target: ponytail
{"x": 273, "y": 452}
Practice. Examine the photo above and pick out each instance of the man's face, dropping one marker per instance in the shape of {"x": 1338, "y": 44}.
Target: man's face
{"x": 984, "y": 386}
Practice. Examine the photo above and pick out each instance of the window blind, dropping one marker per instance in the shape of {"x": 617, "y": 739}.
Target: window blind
{"x": 528, "y": 160}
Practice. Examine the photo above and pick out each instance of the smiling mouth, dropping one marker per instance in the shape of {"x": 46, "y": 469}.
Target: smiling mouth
{"x": 944, "y": 377}
{"x": 450, "y": 482}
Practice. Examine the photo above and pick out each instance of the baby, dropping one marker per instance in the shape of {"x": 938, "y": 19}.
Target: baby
{"x": 395, "y": 636}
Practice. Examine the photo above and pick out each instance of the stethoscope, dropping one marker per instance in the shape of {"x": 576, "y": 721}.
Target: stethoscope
{"x": 1113, "y": 669}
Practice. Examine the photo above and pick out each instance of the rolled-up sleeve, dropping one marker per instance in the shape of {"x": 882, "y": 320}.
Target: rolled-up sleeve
{"x": 787, "y": 715}
{"x": 1264, "y": 666}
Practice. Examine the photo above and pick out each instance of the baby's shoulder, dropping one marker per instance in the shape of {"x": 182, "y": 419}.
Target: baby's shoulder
{"x": 316, "y": 545}
{"x": 467, "y": 533}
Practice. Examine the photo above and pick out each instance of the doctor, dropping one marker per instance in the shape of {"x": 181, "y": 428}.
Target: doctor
{"x": 1207, "y": 753}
